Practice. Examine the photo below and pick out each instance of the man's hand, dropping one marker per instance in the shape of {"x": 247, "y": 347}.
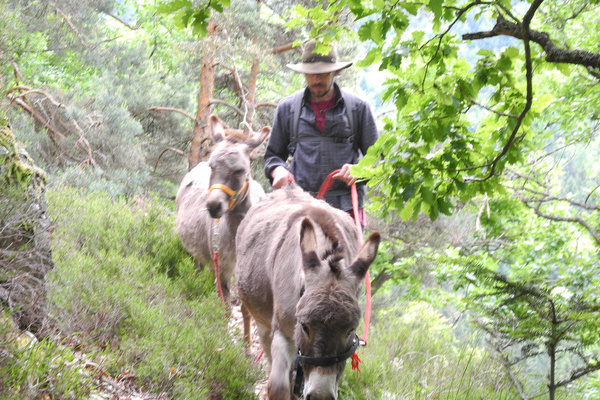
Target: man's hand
{"x": 345, "y": 175}
{"x": 281, "y": 177}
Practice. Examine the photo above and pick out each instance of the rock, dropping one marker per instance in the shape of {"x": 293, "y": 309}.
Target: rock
{"x": 25, "y": 228}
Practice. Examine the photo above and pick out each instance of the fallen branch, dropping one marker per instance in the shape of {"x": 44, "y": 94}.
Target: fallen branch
{"x": 54, "y": 135}
{"x": 177, "y": 110}
{"x": 73, "y": 28}
{"x": 29, "y": 90}
{"x": 164, "y": 151}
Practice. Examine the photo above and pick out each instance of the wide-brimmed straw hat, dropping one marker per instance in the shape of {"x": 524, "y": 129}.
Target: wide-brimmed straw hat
{"x": 315, "y": 63}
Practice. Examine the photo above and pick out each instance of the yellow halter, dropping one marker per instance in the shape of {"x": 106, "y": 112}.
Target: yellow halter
{"x": 231, "y": 193}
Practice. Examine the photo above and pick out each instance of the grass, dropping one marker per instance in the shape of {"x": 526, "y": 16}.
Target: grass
{"x": 413, "y": 354}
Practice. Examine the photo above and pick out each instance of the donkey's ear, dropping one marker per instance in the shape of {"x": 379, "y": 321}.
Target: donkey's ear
{"x": 217, "y": 128}
{"x": 366, "y": 256}
{"x": 258, "y": 138}
{"x": 308, "y": 245}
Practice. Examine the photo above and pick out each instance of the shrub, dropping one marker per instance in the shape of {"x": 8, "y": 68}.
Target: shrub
{"x": 124, "y": 283}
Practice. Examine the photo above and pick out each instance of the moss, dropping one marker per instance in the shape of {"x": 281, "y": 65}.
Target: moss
{"x": 16, "y": 167}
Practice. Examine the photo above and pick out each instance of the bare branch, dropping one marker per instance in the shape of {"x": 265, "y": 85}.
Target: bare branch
{"x": 17, "y": 71}
{"x": 553, "y": 53}
{"x": 474, "y": 102}
{"x": 238, "y": 110}
{"x": 578, "y": 374}
{"x": 459, "y": 13}
{"x": 547, "y": 199}
{"x": 181, "y": 153}
{"x": 54, "y": 134}
{"x": 73, "y": 28}
{"x": 537, "y": 209}
{"x": 528, "y": 97}
{"x": 84, "y": 145}
{"x": 122, "y": 21}
{"x": 513, "y": 377}
{"x": 259, "y": 105}
{"x": 177, "y": 110}
{"x": 29, "y": 90}
{"x": 284, "y": 48}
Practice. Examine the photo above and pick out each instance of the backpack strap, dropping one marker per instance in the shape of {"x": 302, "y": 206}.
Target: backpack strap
{"x": 298, "y": 97}
{"x": 349, "y": 102}
{"x": 297, "y": 100}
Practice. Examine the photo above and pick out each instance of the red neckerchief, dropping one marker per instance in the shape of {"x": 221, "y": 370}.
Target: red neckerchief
{"x": 320, "y": 108}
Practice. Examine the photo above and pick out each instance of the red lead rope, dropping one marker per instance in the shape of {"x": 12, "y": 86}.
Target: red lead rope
{"x": 327, "y": 184}
{"x": 216, "y": 261}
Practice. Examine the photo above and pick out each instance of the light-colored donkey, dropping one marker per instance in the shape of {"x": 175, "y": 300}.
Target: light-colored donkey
{"x": 214, "y": 197}
{"x": 299, "y": 270}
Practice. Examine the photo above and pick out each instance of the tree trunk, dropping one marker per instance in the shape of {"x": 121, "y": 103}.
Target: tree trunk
{"x": 200, "y": 139}
{"x": 551, "y": 372}
{"x": 250, "y": 100}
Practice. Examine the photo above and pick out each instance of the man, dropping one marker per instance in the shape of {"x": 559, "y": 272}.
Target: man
{"x": 326, "y": 136}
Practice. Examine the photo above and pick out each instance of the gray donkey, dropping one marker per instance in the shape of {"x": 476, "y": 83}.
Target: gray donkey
{"x": 214, "y": 197}
{"x": 299, "y": 270}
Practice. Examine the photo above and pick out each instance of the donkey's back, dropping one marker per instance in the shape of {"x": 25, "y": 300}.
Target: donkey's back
{"x": 298, "y": 272}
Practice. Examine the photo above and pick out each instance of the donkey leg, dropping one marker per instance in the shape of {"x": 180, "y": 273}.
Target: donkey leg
{"x": 246, "y": 319}
{"x": 282, "y": 351}
{"x": 265, "y": 337}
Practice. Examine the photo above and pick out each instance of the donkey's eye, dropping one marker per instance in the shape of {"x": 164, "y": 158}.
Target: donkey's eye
{"x": 306, "y": 329}
{"x": 238, "y": 171}
{"x": 350, "y": 333}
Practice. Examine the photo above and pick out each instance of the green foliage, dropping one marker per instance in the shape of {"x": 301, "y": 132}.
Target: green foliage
{"x": 123, "y": 282}
{"x": 412, "y": 354}
{"x": 186, "y": 14}
{"x": 323, "y": 24}
{"x": 430, "y": 153}
{"x": 458, "y": 104}
{"x": 536, "y": 297}
{"x": 30, "y": 369}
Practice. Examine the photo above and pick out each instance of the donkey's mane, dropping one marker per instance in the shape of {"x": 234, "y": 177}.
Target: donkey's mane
{"x": 322, "y": 218}
{"x": 235, "y": 136}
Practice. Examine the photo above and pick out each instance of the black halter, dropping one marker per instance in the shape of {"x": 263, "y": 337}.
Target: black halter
{"x": 325, "y": 361}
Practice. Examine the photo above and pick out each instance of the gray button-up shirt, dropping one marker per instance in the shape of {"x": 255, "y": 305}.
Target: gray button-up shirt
{"x": 314, "y": 157}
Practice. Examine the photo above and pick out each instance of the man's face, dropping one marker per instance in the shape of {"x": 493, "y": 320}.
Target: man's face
{"x": 320, "y": 84}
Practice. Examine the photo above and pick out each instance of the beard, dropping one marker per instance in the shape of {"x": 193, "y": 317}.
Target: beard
{"x": 318, "y": 91}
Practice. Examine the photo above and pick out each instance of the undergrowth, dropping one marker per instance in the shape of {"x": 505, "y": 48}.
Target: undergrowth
{"x": 413, "y": 354}
{"x": 125, "y": 289}
{"x": 37, "y": 370}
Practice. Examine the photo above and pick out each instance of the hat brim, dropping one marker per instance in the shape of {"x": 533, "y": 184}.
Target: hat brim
{"x": 319, "y": 67}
